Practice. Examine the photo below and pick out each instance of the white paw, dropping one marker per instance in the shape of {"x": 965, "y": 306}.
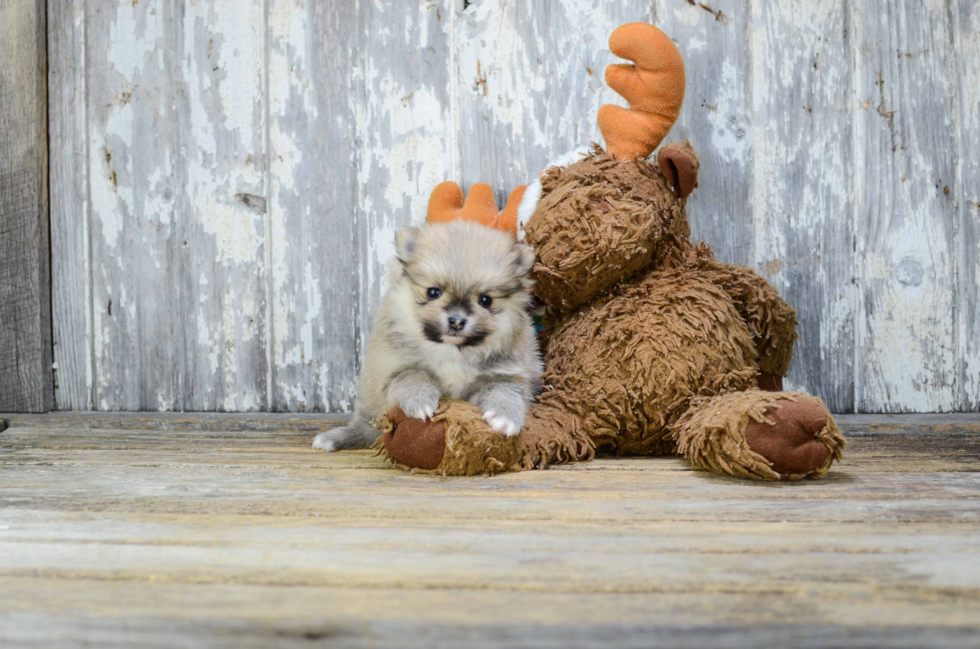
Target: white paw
{"x": 502, "y": 423}
{"x": 323, "y": 442}
{"x": 420, "y": 410}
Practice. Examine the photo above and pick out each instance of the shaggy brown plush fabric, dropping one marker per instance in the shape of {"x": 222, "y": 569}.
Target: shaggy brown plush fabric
{"x": 770, "y": 319}
{"x": 652, "y": 345}
{"x": 760, "y": 435}
{"x": 627, "y": 377}
{"x": 458, "y": 442}
{"x": 598, "y": 223}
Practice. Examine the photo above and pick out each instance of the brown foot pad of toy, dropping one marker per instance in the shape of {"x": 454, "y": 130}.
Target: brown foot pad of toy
{"x": 414, "y": 442}
{"x": 770, "y": 382}
{"x": 791, "y": 443}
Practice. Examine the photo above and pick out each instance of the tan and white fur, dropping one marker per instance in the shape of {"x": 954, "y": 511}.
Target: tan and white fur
{"x": 454, "y": 324}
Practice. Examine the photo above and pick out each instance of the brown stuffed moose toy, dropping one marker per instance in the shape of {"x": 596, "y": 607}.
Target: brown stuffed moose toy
{"x": 652, "y": 346}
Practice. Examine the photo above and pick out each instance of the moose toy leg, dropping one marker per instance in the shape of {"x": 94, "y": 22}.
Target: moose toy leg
{"x": 457, "y": 441}
{"x": 760, "y": 435}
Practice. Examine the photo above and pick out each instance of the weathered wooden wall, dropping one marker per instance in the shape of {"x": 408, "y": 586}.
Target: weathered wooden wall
{"x": 26, "y": 381}
{"x": 227, "y": 177}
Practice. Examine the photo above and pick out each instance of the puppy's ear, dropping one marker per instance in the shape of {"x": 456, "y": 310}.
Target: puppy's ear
{"x": 405, "y": 240}
{"x": 524, "y": 259}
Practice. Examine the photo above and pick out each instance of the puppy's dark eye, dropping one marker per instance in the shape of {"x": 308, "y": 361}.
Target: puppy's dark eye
{"x": 433, "y": 293}
{"x": 485, "y": 301}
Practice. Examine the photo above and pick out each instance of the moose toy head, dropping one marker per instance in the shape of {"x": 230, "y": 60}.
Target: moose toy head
{"x": 603, "y": 219}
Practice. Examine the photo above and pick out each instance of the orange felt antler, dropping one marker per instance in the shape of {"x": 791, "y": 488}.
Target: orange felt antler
{"x": 446, "y": 204}
{"x": 654, "y": 87}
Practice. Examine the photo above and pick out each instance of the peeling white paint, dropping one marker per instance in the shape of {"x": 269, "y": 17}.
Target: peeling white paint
{"x": 106, "y": 188}
{"x": 133, "y": 36}
{"x": 539, "y": 87}
{"x": 731, "y": 134}
{"x": 193, "y": 243}
{"x": 240, "y": 61}
{"x": 235, "y": 230}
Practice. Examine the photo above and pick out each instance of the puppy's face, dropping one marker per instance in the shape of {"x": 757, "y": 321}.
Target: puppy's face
{"x": 462, "y": 283}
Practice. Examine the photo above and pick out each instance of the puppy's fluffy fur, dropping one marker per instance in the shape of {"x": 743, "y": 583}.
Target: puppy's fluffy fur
{"x": 453, "y": 324}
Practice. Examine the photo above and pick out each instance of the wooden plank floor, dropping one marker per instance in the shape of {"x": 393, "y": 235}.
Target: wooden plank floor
{"x": 218, "y": 531}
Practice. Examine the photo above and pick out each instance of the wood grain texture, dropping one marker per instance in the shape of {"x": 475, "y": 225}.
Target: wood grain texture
{"x": 292, "y": 629}
{"x": 133, "y": 151}
{"x": 904, "y": 133}
{"x": 529, "y": 82}
{"x": 802, "y": 184}
{"x": 220, "y": 224}
{"x": 207, "y": 537}
{"x": 717, "y": 116}
{"x": 71, "y": 271}
{"x": 313, "y": 198}
{"x": 201, "y": 421}
{"x": 26, "y": 381}
{"x": 966, "y": 44}
{"x": 261, "y": 156}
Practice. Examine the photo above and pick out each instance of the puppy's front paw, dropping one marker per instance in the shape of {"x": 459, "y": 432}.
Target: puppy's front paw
{"x": 421, "y": 404}
{"x": 504, "y": 408}
{"x": 507, "y": 425}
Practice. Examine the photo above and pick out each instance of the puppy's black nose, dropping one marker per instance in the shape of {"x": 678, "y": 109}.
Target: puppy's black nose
{"x": 456, "y": 323}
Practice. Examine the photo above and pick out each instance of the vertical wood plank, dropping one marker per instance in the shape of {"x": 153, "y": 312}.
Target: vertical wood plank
{"x": 714, "y": 38}
{"x": 530, "y": 82}
{"x": 905, "y": 147}
{"x": 221, "y": 204}
{"x": 313, "y": 189}
{"x": 71, "y": 299}
{"x": 966, "y": 30}
{"x": 133, "y": 149}
{"x": 404, "y": 132}
{"x": 237, "y": 261}
{"x": 26, "y": 382}
{"x": 804, "y": 236}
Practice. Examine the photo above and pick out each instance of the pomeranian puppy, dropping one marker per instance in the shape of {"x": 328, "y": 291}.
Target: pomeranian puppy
{"x": 453, "y": 324}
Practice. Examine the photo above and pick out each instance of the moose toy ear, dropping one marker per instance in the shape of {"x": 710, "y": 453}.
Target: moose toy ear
{"x": 679, "y": 164}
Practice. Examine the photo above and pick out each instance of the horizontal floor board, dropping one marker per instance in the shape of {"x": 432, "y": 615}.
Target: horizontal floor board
{"x": 222, "y": 534}
{"x": 349, "y": 618}
{"x": 905, "y": 425}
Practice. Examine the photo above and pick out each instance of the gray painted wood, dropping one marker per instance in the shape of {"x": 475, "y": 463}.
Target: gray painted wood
{"x": 262, "y": 156}
{"x": 71, "y": 300}
{"x": 717, "y": 117}
{"x": 802, "y": 184}
{"x": 220, "y": 179}
{"x": 529, "y": 81}
{"x": 904, "y": 148}
{"x": 281, "y": 423}
{"x": 313, "y": 197}
{"x": 26, "y": 381}
{"x": 133, "y": 152}
{"x": 966, "y": 43}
